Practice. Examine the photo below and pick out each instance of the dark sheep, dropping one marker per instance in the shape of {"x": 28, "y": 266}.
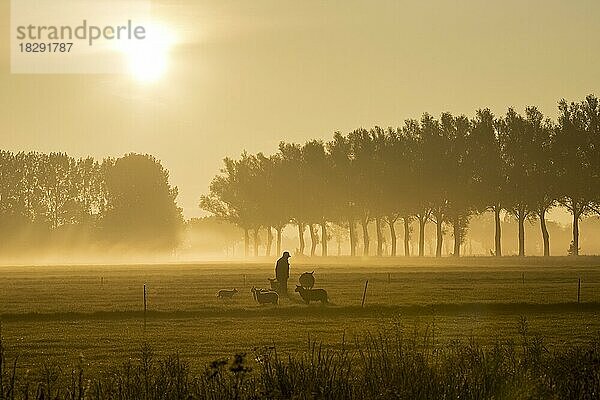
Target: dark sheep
{"x": 309, "y": 295}
{"x": 307, "y": 280}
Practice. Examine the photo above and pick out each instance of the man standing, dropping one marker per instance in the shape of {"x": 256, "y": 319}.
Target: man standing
{"x": 282, "y": 272}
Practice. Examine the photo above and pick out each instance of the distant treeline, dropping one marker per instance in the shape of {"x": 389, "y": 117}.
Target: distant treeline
{"x": 212, "y": 237}
{"x": 440, "y": 170}
{"x": 54, "y": 200}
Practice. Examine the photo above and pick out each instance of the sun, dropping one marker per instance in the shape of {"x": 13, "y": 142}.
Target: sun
{"x": 147, "y": 63}
{"x": 147, "y": 60}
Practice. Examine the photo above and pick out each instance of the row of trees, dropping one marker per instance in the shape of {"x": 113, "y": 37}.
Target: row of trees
{"x": 439, "y": 170}
{"x": 126, "y": 201}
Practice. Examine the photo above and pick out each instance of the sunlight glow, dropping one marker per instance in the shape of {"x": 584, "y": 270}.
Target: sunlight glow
{"x": 148, "y": 60}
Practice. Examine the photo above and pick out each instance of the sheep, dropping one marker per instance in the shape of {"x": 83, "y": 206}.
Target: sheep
{"x": 263, "y": 296}
{"x": 309, "y": 295}
{"x": 307, "y": 280}
{"x": 226, "y": 293}
{"x": 274, "y": 284}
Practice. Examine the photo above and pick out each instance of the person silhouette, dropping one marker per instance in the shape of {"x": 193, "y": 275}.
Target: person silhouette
{"x": 282, "y": 272}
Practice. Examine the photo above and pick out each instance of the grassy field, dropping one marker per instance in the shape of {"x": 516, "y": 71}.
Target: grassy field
{"x": 65, "y": 312}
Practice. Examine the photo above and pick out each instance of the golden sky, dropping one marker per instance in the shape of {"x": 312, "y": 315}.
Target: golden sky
{"x": 247, "y": 74}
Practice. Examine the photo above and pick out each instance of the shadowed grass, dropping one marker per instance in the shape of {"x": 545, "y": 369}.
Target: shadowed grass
{"x": 315, "y": 310}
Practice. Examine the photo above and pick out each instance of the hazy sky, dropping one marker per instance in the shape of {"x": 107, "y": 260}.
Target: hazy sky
{"x": 247, "y": 74}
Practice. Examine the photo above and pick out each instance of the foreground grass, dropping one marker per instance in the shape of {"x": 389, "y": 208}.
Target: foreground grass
{"x": 402, "y": 364}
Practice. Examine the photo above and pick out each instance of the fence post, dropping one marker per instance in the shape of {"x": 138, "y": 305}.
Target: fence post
{"x": 578, "y": 289}
{"x": 365, "y": 293}
{"x": 145, "y": 306}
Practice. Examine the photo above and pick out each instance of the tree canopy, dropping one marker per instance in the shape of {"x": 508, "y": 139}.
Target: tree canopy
{"x": 433, "y": 170}
{"x": 55, "y": 199}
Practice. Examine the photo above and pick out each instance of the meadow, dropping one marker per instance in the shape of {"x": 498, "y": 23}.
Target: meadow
{"x": 95, "y": 313}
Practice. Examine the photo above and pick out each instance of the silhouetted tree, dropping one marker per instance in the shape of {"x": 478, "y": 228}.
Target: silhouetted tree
{"x": 436, "y": 144}
{"x": 459, "y": 176}
{"x": 412, "y": 185}
{"x": 576, "y": 152}
{"x": 489, "y": 170}
{"x": 235, "y": 197}
{"x": 515, "y": 140}
{"x": 278, "y": 192}
{"x": 542, "y": 173}
{"x": 380, "y": 207}
{"x": 342, "y": 186}
{"x": 291, "y": 156}
{"x": 142, "y": 210}
{"x": 362, "y": 168}
{"x": 317, "y": 193}
{"x": 395, "y": 168}
{"x": 426, "y": 166}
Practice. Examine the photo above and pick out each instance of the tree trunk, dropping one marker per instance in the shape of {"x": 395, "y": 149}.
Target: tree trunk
{"x": 392, "y": 222}
{"x": 365, "y": 229}
{"x": 314, "y": 240}
{"x": 521, "y": 219}
{"x": 439, "y": 235}
{"x": 422, "y": 222}
{"x": 576, "y": 215}
{"x": 379, "y": 237}
{"x": 324, "y": 239}
{"x": 352, "y": 229}
{"x": 545, "y": 235}
{"x": 301, "y": 237}
{"x": 279, "y": 229}
{"x": 246, "y": 242}
{"x": 498, "y": 232}
{"x": 256, "y": 242}
{"x": 406, "y": 237}
{"x": 269, "y": 241}
{"x": 457, "y": 237}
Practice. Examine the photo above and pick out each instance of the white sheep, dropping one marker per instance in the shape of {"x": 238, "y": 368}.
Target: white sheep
{"x": 263, "y": 296}
{"x": 226, "y": 293}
